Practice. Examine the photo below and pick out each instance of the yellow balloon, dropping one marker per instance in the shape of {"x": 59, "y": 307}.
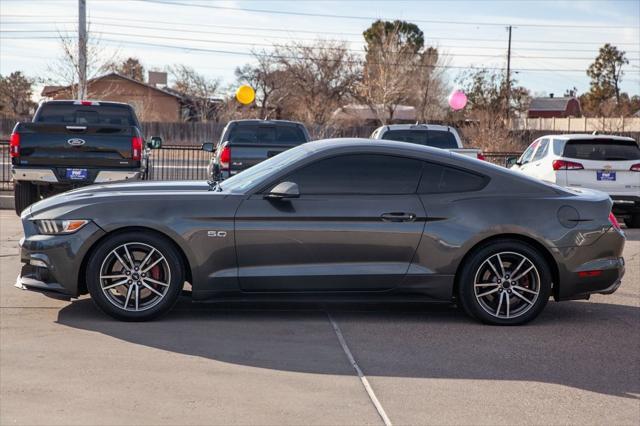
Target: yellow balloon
{"x": 245, "y": 94}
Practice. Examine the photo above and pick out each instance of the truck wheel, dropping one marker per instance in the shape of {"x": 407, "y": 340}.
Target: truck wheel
{"x": 25, "y": 194}
{"x": 633, "y": 221}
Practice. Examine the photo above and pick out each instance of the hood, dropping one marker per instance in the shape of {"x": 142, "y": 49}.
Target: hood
{"x": 71, "y": 200}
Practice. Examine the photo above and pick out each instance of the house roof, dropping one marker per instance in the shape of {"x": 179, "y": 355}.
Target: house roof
{"x": 50, "y": 90}
{"x": 549, "y": 104}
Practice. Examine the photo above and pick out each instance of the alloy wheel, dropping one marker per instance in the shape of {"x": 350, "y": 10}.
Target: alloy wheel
{"x": 507, "y": 285}
{"x": 135, "y": 276}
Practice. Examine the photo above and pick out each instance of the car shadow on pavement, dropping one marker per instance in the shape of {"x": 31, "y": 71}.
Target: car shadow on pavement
{"x": 585, "y": 345}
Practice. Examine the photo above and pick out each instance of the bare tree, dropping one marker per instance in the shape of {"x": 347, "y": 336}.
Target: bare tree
{"x": 429, "y": 85}
{"x": 269, "y": 82}
{"x": 65, "y": 70}
{"x": 199, "y": 91}
{"x": 319, "y": 77}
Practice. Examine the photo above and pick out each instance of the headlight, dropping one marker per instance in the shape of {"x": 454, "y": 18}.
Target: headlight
{"x": 59, "y": 226}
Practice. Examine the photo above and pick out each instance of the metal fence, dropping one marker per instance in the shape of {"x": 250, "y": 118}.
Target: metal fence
{"x": 6, "y": 184}
{"x": 179, "y": 162}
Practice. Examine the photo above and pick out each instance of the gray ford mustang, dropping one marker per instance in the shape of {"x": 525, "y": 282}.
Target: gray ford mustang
{"x": 333, "y": 219}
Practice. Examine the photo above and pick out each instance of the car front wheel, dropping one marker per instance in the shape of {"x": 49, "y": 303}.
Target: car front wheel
{"x": 506, "y": 282}
{"x": 135, "y": 276}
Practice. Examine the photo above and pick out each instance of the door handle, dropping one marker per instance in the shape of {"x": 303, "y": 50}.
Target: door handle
{"x": 398, "y": 217}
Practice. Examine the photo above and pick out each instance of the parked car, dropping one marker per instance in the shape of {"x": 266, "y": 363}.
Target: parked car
{"x": 70, "y": 144}
{"x": 437, "y": 136}
{"x": 604, "y": 162}
{"x": 322, "y": 221}
{"x": 245, "y": 143}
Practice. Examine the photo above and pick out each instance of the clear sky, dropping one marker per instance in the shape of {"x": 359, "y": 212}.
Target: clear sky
{"x": 553, "y": 41}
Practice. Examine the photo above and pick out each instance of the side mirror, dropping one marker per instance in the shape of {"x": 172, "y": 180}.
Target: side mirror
{"x": 510, "y": 161}
{"x": 155, "y": 142}
{"x": 208, "y": 147}
{"x": 283, "y": 190}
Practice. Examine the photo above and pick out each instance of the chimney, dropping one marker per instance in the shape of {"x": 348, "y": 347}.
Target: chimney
{"x": 551, "y": 95}
{"x": 157, "y": 78}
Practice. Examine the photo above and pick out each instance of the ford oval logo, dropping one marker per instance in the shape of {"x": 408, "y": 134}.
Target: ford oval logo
{"x": 76, "y": 142}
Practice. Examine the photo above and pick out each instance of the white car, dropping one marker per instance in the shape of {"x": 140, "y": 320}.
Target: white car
{"x": 607, "y": 163}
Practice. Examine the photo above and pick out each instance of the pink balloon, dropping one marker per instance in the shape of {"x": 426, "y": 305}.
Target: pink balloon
{"x": 457, "y": 100}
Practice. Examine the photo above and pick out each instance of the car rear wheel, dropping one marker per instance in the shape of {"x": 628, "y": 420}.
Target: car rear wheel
{"x": 135, "y": 276}
{"x": 505, "y": 282}
{"x": 25, "y": 194}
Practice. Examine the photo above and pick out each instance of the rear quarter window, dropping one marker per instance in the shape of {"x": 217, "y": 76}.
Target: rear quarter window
{"x": 439, "y": 179}
{"x": 602, "y": 150}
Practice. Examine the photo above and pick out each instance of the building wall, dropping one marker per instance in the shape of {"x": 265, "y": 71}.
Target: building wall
{"x": 150, "y": 104}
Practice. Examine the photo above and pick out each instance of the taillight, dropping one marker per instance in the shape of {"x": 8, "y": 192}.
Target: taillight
{"x": 590, "y": 274}
{"x": 480, "y": 156}
{"x": 225, "y": 158}
{"x": 635, "y": 168}
{"x": 136, "y": 148}
{"x": 614, "y": 221}
{"x": 566, "y": 165}
{"x": 14, "y": 145}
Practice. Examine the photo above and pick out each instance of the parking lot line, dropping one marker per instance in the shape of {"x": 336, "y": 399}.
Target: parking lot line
{"x": 363, "y": 378}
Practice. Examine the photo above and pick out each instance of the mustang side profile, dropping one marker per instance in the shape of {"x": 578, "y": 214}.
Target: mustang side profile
{"x": 334, "y": 219}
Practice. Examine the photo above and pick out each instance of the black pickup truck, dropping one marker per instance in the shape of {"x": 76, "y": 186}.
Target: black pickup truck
{"x": 245, "y": 143}
{"x": 76, "y": 143}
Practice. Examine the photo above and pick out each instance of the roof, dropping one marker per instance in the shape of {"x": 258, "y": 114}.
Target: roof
{"x": 50, "y": 90}
{"x": 257, "y": 122}
{"x": 550, "y": 104}
{"x": 588, "y": 136}
{"x": 419, "y": 126}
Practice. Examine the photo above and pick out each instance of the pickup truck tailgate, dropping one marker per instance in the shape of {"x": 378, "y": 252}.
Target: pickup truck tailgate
{"x": 76, "y": 145}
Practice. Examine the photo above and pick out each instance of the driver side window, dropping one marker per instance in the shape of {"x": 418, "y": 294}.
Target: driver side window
{"x": 358, "y": 174}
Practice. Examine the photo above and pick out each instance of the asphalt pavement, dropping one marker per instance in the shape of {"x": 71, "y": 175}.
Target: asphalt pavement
{"x": 66, "y": 363}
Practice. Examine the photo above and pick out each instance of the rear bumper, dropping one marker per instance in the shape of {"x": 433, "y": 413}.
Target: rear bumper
{"x": 594, "y": 269}
{"x": 95, "y": 176}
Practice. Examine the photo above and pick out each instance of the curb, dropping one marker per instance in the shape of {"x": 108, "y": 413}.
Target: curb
{"x": 6, "y": 201}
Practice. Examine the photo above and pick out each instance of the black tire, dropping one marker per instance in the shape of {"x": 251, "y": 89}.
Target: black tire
{"x": 633, "y": 221}
{"x": 107, "y": 299}
{"x": 25, "y": 194}
{"x": 476, "y": 266}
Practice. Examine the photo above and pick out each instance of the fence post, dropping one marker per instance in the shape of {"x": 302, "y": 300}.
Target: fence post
{"x": 585, "y": 124}
{"x": 569, "y": 124}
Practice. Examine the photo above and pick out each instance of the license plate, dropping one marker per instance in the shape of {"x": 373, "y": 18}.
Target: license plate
{"x": 77, "y": 174}
{"x": 605, "y": 175}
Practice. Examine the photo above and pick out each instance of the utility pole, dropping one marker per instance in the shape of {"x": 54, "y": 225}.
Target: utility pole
{"x": 82, "y": 49}
{"x": 508, "y": 88}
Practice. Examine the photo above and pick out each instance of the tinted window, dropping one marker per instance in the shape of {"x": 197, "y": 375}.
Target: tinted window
{"x": 267, "y": 135}
{"x": 435, "y": 138}
{"x": 602, "y": 150}
{"x": 358, "y": 174}
{"x": 438, "y": 179}
{"x": 85, "y": 115}
{"x": 542, "y": 150}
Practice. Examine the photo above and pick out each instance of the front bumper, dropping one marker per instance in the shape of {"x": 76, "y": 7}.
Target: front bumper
{"x": 52, "y": 176}
{"x": 52, "y": 263}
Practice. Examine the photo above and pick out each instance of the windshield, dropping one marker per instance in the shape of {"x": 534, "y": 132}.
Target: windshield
{"x": 256, "y": 174}
{"x": 85, "y": 115}
{"x": 266, "y": 135}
